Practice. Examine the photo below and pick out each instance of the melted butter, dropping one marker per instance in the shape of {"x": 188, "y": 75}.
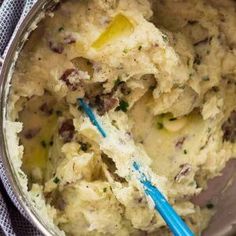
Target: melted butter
{"x": 39, "y": 126}
{"x": 120, "y": 26}
{"x": 160, "y": 143}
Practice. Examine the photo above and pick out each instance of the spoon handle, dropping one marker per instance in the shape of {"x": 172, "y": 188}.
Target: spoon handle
{"x": 177, "y": 226}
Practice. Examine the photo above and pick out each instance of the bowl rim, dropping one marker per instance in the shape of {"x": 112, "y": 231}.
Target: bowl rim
{"x": 8, "y": 63}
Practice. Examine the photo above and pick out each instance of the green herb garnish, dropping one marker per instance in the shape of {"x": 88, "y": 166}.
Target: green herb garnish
{"x": 185, "y": 151}
{"x": 188, "y": 62}
{"x": 160, "y": 125}
{"x": 165, "y": 38}
{"x": 205, "y": 78}
{"x": 104, "y": 190}
{"x": 56, "y": 180}
{"x": 191, "y": 183}
{"x": 117, "y": 81}
{"x": 123, "y": 106}
{"x": 61, "y": 29}
{"x": 140, "y": 48}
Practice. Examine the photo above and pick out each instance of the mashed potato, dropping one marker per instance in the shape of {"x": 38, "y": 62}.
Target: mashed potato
{"x": 161, "y": 78}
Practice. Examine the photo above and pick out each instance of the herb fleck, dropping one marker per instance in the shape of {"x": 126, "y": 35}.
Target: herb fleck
{"x": 123, "y": 106}
{"x": 140, "y": 48}
{"x": 152, "y": 87}
{"x": 165, "y": 38}
{"x": 160, "y": 125}
{"x": 205, "y": 78}
{"x": 104, "y": 190}
{"x": 192, "y": 183}
{"x": 125, "y": 50}
{"x": 117, "y": 81}
{"x": 188, "y": 62}
{"x": 185, "y": 151}
{"x": 56, "y": 180}
{"x": 43, "y": 143}
{"x": 61, "y": 29}
{"x": 197, "y": 60}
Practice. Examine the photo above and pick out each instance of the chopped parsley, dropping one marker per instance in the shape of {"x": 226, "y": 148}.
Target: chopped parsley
{"x": 56, "y": 180}
{"x": 160, "y": 125}
{"x": 205, "y": 78}
{"x": 188, "y": 62}
{"x": 117, "y": 81}
{"x": 104, "y": 190}
{"x": 123, "y": 106}
{"x": 165, "y": 38}
{"x": 140, "y": 48}
{"x": 185, "y": 151}
{"x": 125, "y": 50}
{"x": 192, "y": 183}
{"x": 61, "y": 29}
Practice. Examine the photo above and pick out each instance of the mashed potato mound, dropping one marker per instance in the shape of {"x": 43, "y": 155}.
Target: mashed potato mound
{"x": 161, "y": 78}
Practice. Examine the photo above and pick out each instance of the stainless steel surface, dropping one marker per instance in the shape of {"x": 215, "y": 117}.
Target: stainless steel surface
{"x": 7, "y": 65}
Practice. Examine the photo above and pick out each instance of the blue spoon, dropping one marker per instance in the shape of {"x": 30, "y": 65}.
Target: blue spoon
{"x": 172, "y": 219}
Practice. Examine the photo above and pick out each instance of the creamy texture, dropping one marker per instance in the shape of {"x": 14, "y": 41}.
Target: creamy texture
{"x": 160, "y": 77}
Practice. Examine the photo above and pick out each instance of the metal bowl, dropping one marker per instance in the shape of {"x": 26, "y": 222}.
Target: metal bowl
{"x": 227, "y": 206}
{"x": 8, "y": 62}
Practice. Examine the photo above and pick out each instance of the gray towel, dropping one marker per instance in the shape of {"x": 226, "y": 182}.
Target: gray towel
{"x": 13, "y": 220}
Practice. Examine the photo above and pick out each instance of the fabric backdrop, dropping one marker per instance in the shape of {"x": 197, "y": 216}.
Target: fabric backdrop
{"x": 13, "y": 220}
